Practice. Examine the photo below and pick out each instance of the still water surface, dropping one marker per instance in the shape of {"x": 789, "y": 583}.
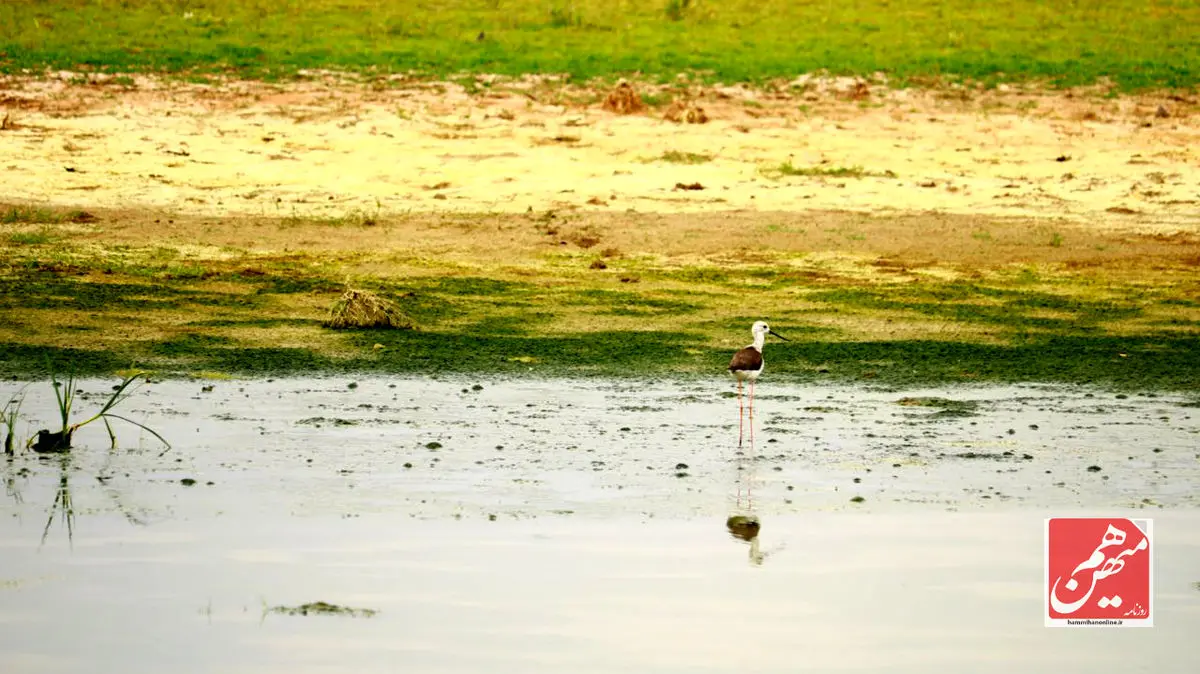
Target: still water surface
{"x": 600, "y": 557}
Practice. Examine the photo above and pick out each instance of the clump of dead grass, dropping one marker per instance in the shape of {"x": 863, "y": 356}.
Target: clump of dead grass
{"x": 624, "y": 100}
{"x": 584, "y": 237}
{"x": 683, "y": 112}
{"x": 365, "y": 309}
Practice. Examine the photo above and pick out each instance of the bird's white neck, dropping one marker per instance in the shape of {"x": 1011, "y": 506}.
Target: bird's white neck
{"x": 759, "y": 338}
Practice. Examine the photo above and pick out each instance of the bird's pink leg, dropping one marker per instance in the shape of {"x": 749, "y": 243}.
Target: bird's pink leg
{"x": 739, "y": 414}
{"x": 751, "y": 412}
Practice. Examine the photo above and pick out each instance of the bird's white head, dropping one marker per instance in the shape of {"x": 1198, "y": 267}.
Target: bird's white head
{"x": 760, "y": 329}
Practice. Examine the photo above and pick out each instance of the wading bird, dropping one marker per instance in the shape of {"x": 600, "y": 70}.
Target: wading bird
{"x": 746, "y": 365}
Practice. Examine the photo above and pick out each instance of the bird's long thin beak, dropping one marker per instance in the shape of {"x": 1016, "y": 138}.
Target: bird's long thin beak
{"x": 779, "y": 335}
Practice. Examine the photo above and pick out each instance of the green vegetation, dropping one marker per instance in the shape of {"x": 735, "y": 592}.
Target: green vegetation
{"x": 1142, "y": 44}
{"x": 35, "y": 215}
{"x": 324, "y": 608}
{"x": 36, "y": 238}
{"x": 1151, "y": 360}
{"x": 64, "y": 394}
{"x": 677, "y": 157}
{"x": 565, "y": 321}
{"x": 8, "y": 417}
{"x": 788, "y": 169}
{"x": 1009, "y": 308}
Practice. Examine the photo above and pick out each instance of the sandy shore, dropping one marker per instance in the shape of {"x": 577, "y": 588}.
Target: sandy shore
{"x": 331, "y": 148}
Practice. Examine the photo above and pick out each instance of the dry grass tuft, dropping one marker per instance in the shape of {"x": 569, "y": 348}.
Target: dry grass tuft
{"x": 685, "y": 113}
{"x": 584, "y": 237}
{"x": 861, "y": 91}
{"x": 624, "y": 100}
{"x": 364, "y": 309}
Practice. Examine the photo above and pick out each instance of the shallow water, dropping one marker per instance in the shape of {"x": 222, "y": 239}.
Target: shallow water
{"x": 577, "y": 545}
{"x": 845, "y": 592}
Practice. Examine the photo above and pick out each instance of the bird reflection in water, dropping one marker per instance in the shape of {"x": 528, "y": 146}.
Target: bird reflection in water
{"x": 744, "y": 524}
{"x": 746, "y": 527}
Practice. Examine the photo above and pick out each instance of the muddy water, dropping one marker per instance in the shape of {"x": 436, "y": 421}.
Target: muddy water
{"x": 580, "y": 526}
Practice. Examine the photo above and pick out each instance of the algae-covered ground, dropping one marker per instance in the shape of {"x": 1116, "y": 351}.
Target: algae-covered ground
{"x": 101, "y": 291}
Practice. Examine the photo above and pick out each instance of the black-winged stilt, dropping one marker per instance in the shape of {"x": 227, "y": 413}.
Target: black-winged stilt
{"x": 746, "y": 365}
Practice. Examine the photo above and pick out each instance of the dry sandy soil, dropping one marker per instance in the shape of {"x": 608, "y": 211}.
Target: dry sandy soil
{"x": 330, "y": 147}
